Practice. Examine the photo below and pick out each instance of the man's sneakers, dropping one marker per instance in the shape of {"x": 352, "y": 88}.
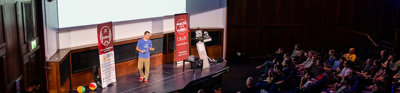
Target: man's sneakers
{"x": 141, "y": 78}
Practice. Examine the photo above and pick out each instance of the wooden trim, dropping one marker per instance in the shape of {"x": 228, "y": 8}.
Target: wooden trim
{"x": 130, "y": 40}
{"x": 208, "y": 30}
{"x": 135, "y": 39}
{"x": 28, "y": 54}
{"x": 116, "y": 42}
{"x": 59, "y": 56}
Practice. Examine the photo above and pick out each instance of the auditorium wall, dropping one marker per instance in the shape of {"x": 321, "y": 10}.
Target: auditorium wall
{"x": 204, "y": 14}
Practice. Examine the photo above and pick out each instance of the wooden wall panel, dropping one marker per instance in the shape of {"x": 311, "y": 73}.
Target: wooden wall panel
{"x": 236, "y": 39}
{"x": 124, "y": 68}
{"x": 130, "y": 66}
{"x": 2, "y": 52}
{"x": 2, "y": 71}
{"x": 156, "y": 60}
{"x": 57, "y": 80}
{"x": 169, "y": 57}
{"x": 53, "y": 77}
{"x": 66, "y": 87}
{"x": 213, "y": 52}
{"x": 299, "y": 12}
{"x": 20, "y": 64}
{"x": 285, "y": 8}
{"x": 127, "y": 67}
{"x": 258, "y": 24}
{"x": 82, "y": 78}
{"x": 13, "y": 63}
{"x": 251, "y": 12}
{"x": 2, "y": 31}
{"x": 330, "y": 12}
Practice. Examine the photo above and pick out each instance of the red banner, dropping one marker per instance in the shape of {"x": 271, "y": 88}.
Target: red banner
{"x": 181, "y": 37}
{"x": 105, "y": 37}
{"x": 106, "y": 53}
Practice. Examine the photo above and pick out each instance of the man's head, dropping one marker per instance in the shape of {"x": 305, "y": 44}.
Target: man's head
{"x": 331, "y": 52}
{"x": 279, "y": 51}
{"x": 278, "y": 68}
{"x": 314, "y": 58}
{"x": 297, "y": 47}
{"x": 147, "y": 35}
{"x": 250, "y": 82}
{"x": 310, "y": 53}
{"x": 284, "y": 64}
{"x": 299, "y": 53}
{"x": 383, "y": 52}
{"x": 368, "y": 61}
{"x": 352, "y": 50}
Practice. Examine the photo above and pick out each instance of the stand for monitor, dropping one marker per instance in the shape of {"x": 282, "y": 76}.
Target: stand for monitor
{"x": 203, "y": 54}
{"x": 201, "y": 47}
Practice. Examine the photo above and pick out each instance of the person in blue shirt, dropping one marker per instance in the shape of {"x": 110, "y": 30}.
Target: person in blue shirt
{"x": 144, "y": 46}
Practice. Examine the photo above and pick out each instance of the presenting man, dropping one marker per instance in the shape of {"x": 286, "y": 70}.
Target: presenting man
{"x": 144, "y": 47}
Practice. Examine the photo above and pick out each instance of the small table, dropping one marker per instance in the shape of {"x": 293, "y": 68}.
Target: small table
{"x": 192, "y": 63}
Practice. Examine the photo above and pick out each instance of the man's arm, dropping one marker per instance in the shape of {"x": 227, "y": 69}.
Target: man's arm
{"x": 151, "y": 49}
{"x": 137, "y": 48}
{"x": 151, "y": 46}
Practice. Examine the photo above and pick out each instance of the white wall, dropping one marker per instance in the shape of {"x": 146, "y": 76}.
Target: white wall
{"x": 50, "y": 26}
{"x": 82, "y": 36}
{"x": 203, "y": 14}
{"x": 209, "y": 19}
{"x": 206, "y": 13}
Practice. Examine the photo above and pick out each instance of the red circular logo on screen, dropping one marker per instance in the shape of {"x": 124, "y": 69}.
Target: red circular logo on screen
{"x": 181, "y": 26}
{"x": 105, "y": 35}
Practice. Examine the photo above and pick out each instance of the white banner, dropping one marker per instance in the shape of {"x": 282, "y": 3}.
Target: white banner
{"x": 107, "y": 67}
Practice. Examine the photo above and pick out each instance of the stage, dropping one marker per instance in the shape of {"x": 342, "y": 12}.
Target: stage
{"x": 164, "y": 78}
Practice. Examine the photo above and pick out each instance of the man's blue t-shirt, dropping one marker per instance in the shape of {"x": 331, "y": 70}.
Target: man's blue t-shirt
{"x": 335, "y": 65}
{"x": 145, "y": 46}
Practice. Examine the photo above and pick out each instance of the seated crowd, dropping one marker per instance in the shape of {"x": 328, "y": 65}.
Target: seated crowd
{"x": 315, "y": 72}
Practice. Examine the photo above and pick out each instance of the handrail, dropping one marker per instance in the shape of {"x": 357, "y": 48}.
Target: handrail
{"x": 368, "y": 36}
